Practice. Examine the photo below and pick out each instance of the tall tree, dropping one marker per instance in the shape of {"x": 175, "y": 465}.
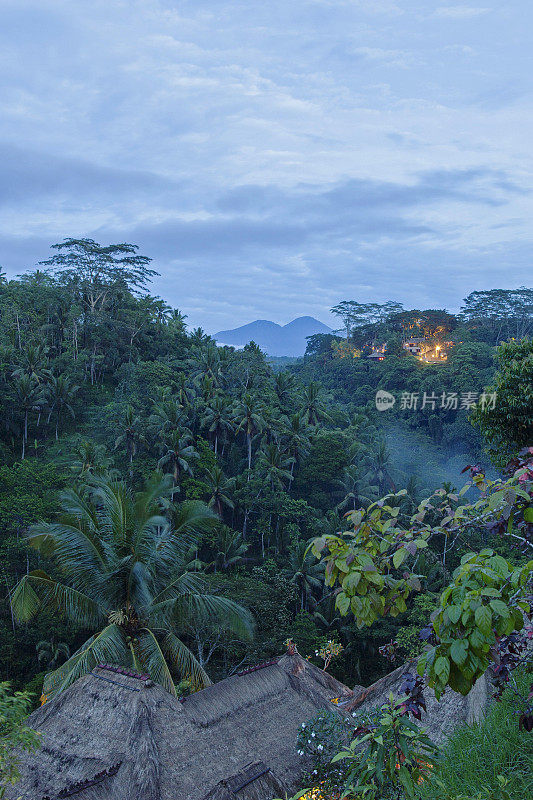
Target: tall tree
{"x": 121, "y": 559}
{"x": 131, "y": 435}
{"x": 29, "y": 396}
{"x": 504, "y": 412}
{"x": 313, "y": 408}
{"x": 61, "y": 393}
{"x": 304, "y": 572}
{"x": 220, "y": 490}
{"x": 274, "y": 466}
{"x": 249, "y": 418}
{"x": 503, "y": 312}
{"x": 95, "y": 271}
{"x": 178, "y": 453}
{"x": 296, "y": 436}
{"x": 355, "y": 490}
{"x": 217, "y": 420}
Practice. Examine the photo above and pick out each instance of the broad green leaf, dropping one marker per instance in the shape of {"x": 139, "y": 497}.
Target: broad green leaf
{"x": 343, "y": 603}
{"x": 499, "y": 607}
{"x": 442, "y": 668}
{"x": 459, "y": 651}
{"x": 483, "y": 619}
{"x": 399, "y": 557}
{"x": 454, "y": 614}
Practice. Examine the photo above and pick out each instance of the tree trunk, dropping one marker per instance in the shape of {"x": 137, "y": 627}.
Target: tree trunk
{"x": 24, "y": 434}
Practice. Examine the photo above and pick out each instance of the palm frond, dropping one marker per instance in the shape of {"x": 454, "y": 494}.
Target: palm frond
{"x": 191, "y": 518}
{"x": 211, "y": 608}
{"x": 158, "y": 491}
{"x": 76, "y": 554}
{"x": 116, "y": 508}
{"x": 25, "y": 602}
{"x": 184, "y": 583}
{"x": 184, "y": 661}
{"x": 151, "y": 659}
{"x": 107, "y": 646}
{"x": 37, "y": 591}
{"x": 77, "y": 505}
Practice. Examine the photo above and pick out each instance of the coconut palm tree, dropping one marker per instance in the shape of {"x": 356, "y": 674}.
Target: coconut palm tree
{"x": 52, "y": 653}
{"x": 207, "y": 388}
{"x": 313, "y": 408}
{"x": 304, "y": 572}
{"x": 274, "y": 466}
{"x": 354, "y": 489}
{"x": 122, "y": 558}
{"x": 167, "y": 415}
{"x": 28, "y": 397}
{"x": 199, "y": 337}
{"x": 130, "y": 436}
{"x": 161, "y": 312}
{"x": 206, "y": 364}
{"x": 296, "y": 435}
{"x": 381, "y": 468}
{"x": 33, "y": 363}
{"x": 220, "y": 489}
{"x": 179, "y": 454}
{"x": 249, "y": 418}
{"x": 230, "y": 549}
{"x": 92, "y": 459}
{"x": 284, "y": 384}
{"x": 184, "y": 393}
{"x": 217, "y": 420}
{"x": 177, "y": 320}
{"x": 61, "y": 393}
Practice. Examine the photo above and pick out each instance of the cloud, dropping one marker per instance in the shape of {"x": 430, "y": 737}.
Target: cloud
{"x": 271, "y": 157}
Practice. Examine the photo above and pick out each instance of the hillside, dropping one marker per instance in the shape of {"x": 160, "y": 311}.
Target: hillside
{"x": 274, "y": 339}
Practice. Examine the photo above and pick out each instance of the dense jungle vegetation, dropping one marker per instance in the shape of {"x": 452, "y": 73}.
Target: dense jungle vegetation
{"x": 115, "y": 417}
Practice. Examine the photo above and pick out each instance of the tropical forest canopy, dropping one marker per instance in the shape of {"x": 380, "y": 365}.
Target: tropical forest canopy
{"x": 170, "y": 488}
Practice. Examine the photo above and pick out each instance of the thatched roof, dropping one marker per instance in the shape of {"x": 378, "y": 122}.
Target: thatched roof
{"x": 115, "y": 736}
{"x": 442, "y": 715}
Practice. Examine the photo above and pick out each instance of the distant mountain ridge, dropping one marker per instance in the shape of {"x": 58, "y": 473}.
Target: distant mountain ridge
{"x": 274, "y": 339}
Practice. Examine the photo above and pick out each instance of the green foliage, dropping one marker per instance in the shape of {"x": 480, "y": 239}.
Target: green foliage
{"x": 391, "y": 759}
{"x": 320, "y": 739}
{"x": 488, "y": 595}
{"x": 123, "y": 560}
{"x": 408, "y": 636}
{"x": 509, "y": 425}
{"x": 363, "y": 562}
{"x": 485, "y": 600}
{"x": 89, "y": 357}
{"x": 14, "y": 735}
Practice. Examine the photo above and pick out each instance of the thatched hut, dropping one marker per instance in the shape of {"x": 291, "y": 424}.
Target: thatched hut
{"x": 112, "y": 736}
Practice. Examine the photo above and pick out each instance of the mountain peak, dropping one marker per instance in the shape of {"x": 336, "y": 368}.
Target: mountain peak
{"x": 274, "y": 339}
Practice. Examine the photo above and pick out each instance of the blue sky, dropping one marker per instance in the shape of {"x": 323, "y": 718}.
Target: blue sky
{"x": 273, "y": 157}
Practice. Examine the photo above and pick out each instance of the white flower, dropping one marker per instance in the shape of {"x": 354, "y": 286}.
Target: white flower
{"x": 300, "y": 752}
{"x": 303, "y": 724}
{"x": 354, "y": 714}
{"x": 313, "y": 735}
{"x": 320, "y": 747}
{"x": 315, "y": 772}
{"x": 309, "y": 741}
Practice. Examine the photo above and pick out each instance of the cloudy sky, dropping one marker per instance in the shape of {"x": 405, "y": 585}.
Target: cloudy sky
{"x": 274, "y": 156}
